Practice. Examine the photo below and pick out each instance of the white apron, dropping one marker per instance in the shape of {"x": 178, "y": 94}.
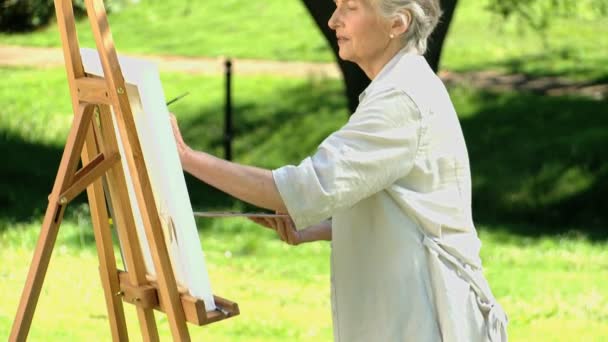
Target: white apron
{"x": 396, "y": 182}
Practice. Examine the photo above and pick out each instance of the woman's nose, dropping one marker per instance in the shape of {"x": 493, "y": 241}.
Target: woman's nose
{"x": 333, "y": 20}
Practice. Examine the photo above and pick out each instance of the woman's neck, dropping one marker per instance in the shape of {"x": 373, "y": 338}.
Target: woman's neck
{"x": 373, "y": 67}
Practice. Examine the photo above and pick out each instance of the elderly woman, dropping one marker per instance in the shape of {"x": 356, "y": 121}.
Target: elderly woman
{"x": 391, "y": 189}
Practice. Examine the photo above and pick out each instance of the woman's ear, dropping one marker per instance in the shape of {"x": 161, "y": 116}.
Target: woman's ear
{"x": 401, "y": 23}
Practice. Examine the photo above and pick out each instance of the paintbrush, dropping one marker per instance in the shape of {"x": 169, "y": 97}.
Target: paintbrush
{"x": 177, "y": 98}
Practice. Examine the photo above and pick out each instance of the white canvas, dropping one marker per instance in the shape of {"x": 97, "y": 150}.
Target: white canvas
{"x": 151, "y": 116}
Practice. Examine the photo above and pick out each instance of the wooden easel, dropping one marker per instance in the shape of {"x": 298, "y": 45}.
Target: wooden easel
{"x": 92, "y": 137}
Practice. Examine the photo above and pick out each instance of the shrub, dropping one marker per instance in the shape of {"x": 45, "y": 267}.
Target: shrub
{"x": 27, "y": 15}
{"x": 23, "y": 15}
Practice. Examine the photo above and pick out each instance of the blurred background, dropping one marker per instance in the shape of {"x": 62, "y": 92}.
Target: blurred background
{"x": 529, "y": 79}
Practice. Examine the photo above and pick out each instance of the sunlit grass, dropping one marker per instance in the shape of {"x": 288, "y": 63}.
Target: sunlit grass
{"x": 551, "y": 287}
{"x": 283, "y": 30}
{"x": 544, "y": 251}
{"x": 275, "y": 286}
{"x": 279, "y": 121}
{"x": 272, "y": 29}
{"x": 479, "y": 40}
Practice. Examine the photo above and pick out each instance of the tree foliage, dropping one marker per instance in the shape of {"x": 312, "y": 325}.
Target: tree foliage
{"x": 22, "y": 15}
{"x": 540, "y": 15}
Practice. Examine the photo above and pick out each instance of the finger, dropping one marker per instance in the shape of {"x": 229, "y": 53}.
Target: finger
{"x": 175, "y": 127}
{"x": 172, "y": 119}
{"x": 259, "y": 221}
{"x": 286, "y": 230}
{"x": 269, "y": 223}
{"x": 293, "y": 234}
{"x": 290, "y": 232}
{"x": 294, "y": 237}
{"x": 256, "y": 219}
{"x": 281, "y": 230}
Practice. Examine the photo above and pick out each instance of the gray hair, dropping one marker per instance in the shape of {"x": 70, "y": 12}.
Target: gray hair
{"x": 425, "y": 16}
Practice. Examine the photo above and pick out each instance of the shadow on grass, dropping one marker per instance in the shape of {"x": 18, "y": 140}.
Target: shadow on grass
{"x": 29, "y": 169}
{"x": 534, "y": 65}
{"x": 26, "y": 177}
{"x": 538, "y": 162}
{"x": 280, "y": 130}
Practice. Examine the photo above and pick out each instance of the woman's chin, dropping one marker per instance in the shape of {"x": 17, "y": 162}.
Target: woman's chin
{"x": 344, "y": 55}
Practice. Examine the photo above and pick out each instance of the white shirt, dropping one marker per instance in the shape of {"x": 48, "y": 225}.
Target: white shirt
{"x": 396, "y": 182}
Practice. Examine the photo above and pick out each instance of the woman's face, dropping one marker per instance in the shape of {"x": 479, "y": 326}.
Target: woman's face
{"x": 363, "y": 34}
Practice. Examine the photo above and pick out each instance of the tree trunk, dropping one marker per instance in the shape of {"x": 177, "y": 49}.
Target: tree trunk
{"x": 435, "y": 43}
{"x": 355, "y": 79}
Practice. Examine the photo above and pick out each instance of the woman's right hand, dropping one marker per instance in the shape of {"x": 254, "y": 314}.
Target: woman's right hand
{"x": 182, "y": 148}
{"x": 284, "y": 227}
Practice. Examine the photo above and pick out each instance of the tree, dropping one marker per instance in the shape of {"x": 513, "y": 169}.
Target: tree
{"x": 539, "y": 15}
{"x": 435, "y": 45}
{"x": 28, "y": 15}
{"x": 355, "y": 79}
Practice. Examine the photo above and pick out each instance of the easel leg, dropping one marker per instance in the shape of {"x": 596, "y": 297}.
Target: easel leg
{"x": 50, "y": 225}
{"x": 125, "y": 223}
{"x": 38, "y": 268}
{"x": 105, "y": 251}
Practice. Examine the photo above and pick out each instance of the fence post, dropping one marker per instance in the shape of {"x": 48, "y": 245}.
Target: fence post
{"x": 228, "y": 112}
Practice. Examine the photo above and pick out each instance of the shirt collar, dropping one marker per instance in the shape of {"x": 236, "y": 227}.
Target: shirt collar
{"x": 386, "y": 69}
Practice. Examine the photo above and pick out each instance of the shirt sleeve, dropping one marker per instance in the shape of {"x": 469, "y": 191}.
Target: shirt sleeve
{"x": 375, "y": 148}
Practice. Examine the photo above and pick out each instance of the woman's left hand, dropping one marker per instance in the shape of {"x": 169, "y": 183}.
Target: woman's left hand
{"x": 284, "y": 226}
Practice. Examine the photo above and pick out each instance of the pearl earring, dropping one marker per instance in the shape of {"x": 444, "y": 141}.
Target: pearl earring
{"x": 392, "y": 36}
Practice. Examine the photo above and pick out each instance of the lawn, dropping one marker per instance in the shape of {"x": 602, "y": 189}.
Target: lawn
{"x": 280, "y": 121}
{"x": 552, "y": 288}
{"x": 283, "y": 30}
{"x": 539, "y": 171}
{"x": 541, "y": 219}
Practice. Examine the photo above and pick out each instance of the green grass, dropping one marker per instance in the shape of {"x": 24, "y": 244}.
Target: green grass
{"x": 536, "y": 160}
{"x": 539, "y": 181}
{"x": 283, "y": 292}
{"x": 280, "y": 30}
{"x": 551, "y": 288}
{"x": 532, "y": 165}
{"x": 264, "y": 29}
{"x": 539, "y": 172}
{"x": 32, "y": 132}
{"x": 480, "y": 40}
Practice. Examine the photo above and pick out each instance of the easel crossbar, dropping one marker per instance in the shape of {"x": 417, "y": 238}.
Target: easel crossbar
{"x": 87, "y": 175}
{"x": 92, "y": 89}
